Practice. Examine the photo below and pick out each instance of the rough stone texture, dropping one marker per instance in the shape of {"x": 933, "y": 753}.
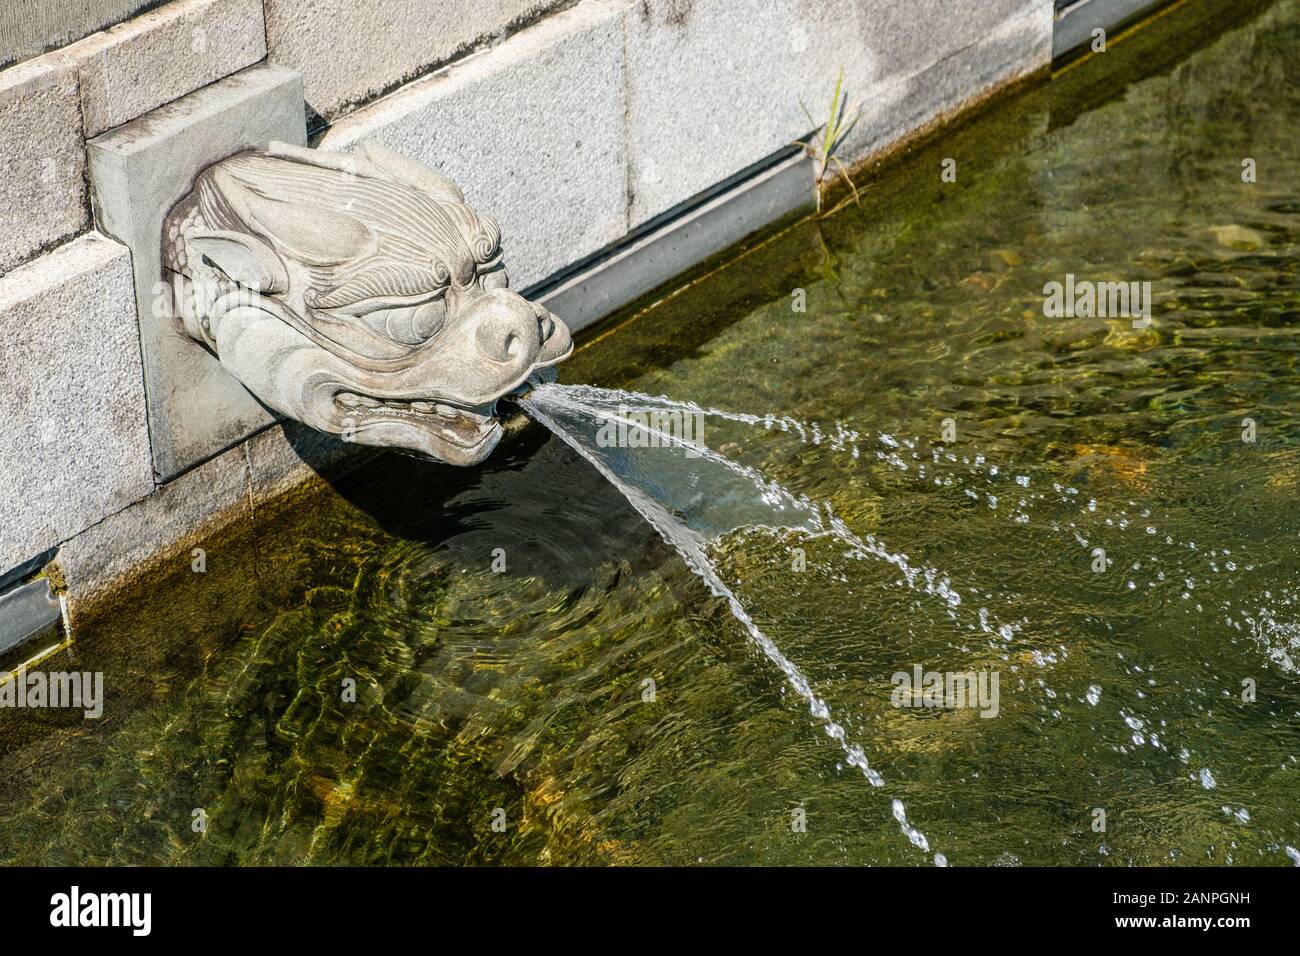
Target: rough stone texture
{"x": 138, "y": 171}
{"x": 349, "y": 52}
{"x": 729, "y": 78}
{"x": 900, "y": 105}
{"x": 73, "y": 443}
{"x": 42, "y": 159}
{"x": 164, "y": 54}
{"x": 554, "y": 177}
{"x": 912, "y": 34}
{"x": 165, "y": 526}
{"x": 30, "y": 27}
{"x": 714, "y": 86}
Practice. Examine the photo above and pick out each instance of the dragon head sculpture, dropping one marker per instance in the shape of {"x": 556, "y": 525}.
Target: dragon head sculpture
{"x": 358, "y": 294}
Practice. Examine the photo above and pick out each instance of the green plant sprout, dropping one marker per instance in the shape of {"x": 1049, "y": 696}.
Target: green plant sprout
{"x": 828, "y": 137}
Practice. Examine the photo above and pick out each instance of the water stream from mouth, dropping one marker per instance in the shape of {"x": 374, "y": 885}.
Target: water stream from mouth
{"x": 692, "y": 495}
{"x": 649, "y": 448}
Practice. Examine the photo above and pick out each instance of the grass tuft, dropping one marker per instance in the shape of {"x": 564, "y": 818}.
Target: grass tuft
{"x": 828, "y": 137}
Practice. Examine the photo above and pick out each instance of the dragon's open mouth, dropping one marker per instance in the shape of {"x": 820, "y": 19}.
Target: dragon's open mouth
{"x": 462, "y": 425}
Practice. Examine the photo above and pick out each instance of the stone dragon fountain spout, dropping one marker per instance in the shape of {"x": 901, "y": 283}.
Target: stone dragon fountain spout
{"x": 358, "y": 294}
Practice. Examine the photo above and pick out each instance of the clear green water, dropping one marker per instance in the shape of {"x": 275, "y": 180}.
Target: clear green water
{"x": 521, "y": 695}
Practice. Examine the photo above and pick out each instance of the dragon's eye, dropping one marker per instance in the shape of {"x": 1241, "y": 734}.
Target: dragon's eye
{"x": 428, "y": 318}
{"x": 410, "y": 324}
{"x": 496, "y": 279}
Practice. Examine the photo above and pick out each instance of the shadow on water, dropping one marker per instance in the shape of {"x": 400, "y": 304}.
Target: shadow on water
{"x": 1156, "y": 49}
{"x": 515, "y": 496}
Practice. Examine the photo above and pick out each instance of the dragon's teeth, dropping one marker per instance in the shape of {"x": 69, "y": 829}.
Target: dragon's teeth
{"x": 419, "y": 406}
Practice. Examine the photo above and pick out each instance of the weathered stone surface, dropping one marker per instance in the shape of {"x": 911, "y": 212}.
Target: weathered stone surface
{"x": 732, "y": 80}
{"x": 900, "y": 105}
{"x": 715, "y": 86}
{"x": 162, "y": 55}
{"x": 349, "y": 52}
{"x": 910, "y": 35}
{"x": 133, "y": 542}
{"x": 42, "y": 187}
{"x": 30, "y": 27}
{"x": 138, "y": 172}
{"x": 73, "y": 444}
{"x": 554, "y": 179}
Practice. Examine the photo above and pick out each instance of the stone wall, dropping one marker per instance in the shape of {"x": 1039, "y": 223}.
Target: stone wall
{"x": 573, "y": 123}
{"x": 29, "y": 27}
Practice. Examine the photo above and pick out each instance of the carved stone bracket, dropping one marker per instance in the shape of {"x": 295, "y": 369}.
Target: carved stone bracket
{"x": 358, "y": 294}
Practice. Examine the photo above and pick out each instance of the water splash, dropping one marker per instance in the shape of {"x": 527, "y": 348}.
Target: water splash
{"x": 695, "y": 495}
{"x": 952, "y": 469}
{"x": 692, "y": 495}
{"x": 1156, "y": 571}
{"x": 730, "y": 501}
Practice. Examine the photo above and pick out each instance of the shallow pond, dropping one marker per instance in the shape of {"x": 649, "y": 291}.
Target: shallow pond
{"x": 540, "y": 679}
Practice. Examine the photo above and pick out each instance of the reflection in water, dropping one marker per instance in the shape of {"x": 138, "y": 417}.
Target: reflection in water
{"x": 537, "y": 678}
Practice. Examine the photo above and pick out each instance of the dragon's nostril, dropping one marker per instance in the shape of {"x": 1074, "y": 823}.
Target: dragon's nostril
{"x": 497, "y": 344}
{"x": 506, "y": 328}
{"x": 545, "y": 327}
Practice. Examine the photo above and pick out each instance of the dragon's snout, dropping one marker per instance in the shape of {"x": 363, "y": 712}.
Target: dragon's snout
{"x": 515, "y": 333}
